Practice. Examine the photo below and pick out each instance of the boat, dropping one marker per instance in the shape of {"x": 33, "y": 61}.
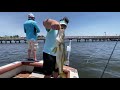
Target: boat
{"x": 31, "y": 69}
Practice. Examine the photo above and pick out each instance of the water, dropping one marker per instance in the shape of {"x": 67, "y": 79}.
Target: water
{"x": 89, "y": 58}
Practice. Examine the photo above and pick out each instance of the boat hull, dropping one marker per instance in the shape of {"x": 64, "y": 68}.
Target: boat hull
{"x": 14, "y": 70}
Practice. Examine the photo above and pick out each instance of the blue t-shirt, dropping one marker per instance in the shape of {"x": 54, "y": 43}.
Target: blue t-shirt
{"x": 50, "y": 42}
{"x": 31, "y": 29}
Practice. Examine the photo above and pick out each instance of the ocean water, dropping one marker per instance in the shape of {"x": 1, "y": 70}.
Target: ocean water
{"x": 89, "y": 58}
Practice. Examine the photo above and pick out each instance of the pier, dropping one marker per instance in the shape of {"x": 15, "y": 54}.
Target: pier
{"x": 77, "y": 38}
{"x": 93, "y": 38}
{"x": 17, "y": 40}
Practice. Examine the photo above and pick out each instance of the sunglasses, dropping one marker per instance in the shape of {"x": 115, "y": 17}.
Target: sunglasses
{"x": 63, "y": 26}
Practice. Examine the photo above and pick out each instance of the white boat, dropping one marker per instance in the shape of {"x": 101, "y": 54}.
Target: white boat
{"x": 31, "y": 69}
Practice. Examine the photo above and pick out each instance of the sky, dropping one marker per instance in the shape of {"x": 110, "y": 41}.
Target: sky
{"x": 81, "y": 23}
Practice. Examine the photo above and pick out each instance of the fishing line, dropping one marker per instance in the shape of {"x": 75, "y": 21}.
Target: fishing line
{"x": 94, "y": 53}
{"x": 109, "y": 58}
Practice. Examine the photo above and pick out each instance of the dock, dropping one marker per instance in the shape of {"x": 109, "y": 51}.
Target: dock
{"x": 77, "y": 38}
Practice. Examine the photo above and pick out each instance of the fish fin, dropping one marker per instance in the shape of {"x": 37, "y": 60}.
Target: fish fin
{"x": 54, "y": 50}
{"x": 62, "y": 75}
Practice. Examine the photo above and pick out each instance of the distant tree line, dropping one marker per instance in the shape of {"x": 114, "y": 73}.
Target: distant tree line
{"x": 40, "y": 36}
{"x": 6, "y": 36}
{"x": 16, "y": 36}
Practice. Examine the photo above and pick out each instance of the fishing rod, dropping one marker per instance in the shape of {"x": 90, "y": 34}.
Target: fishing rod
{"x": 109, "y": 57}
{"x": 68, "y": 54}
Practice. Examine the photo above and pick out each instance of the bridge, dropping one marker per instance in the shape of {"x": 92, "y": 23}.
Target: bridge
{"x": 93, "y": 38}
{"x": 77, "y": 38}
{"x": 17, "y": 40}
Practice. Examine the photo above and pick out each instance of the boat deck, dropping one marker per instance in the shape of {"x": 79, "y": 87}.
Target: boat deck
{"x": 25, "y": 74}
{"x": 27, "y": 69}
{"x": 36, "y": 73}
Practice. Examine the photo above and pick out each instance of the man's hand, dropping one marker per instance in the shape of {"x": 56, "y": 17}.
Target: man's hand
{"x": 51, "y": 24}
{"x": 55, "y": 26}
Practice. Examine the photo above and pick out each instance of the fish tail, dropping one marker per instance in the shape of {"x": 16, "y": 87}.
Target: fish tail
{"x": 63, "y": 75}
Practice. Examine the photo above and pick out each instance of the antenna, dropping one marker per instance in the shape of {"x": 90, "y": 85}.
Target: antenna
{"x": 68, "y": 54}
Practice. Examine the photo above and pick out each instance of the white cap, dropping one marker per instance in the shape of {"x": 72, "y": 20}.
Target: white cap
{"x": 63, "y": 22}
{"x": 31, "y": 15}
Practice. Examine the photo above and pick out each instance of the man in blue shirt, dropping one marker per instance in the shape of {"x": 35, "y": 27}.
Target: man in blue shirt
{"x": 49, "y": 57}
{"x": 31, "y": 29}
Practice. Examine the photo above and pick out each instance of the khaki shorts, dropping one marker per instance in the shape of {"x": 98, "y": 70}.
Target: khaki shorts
{"x": 32, "y": 45}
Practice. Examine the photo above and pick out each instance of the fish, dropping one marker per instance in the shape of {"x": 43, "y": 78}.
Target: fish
{"x": 60, "y": 51}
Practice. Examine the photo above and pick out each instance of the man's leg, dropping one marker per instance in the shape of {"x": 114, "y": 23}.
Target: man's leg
{"x": 48, "y": 65}
{"x": 34, "y": 55}
{"x": 29, "y": 49}
{"x": 29, "y": 53}
{"x": 47, "y": 76}
{"x": 56, "y": 70}
{"x": 35, "y": 45}
{"x": 55, "y": 74}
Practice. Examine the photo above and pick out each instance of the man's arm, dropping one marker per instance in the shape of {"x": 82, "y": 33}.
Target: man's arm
{"x": 24, "y": 30}
{"x": 37, "y": 28}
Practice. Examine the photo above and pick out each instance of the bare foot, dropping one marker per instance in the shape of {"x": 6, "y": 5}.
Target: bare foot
{"x": 35, "y": 60}
{"x": 55, "y": 74}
